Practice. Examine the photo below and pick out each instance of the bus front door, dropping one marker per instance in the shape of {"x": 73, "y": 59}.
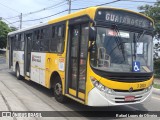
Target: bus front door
{"x": 77, "y": 60}
{"x": 27, "y": 54}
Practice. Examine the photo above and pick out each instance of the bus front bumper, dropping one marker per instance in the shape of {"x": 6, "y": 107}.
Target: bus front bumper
{"x": 99, "y": 98}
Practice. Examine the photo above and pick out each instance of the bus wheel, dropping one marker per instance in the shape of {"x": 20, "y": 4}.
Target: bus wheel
{"x": 18, "y": 72}
{"x": 58, "y": 91}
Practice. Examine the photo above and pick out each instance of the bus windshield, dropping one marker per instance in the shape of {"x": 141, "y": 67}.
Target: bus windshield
{"x": 115, "y": 50}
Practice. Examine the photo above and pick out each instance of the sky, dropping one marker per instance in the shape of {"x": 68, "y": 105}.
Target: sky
{"x": 11, "y": 9}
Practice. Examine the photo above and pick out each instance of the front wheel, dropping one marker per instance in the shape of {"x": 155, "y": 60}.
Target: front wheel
{"x": 58, "y": 91}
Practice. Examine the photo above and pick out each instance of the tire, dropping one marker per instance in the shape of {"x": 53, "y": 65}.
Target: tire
{"x": 58, "y": 90}
{"x": 19, "y": 77}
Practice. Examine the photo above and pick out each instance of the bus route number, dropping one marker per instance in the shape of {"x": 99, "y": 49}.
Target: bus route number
{"x": 141, "y": 85}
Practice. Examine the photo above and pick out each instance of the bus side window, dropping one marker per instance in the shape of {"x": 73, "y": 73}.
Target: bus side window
{"x": 16, "y": 42}
{"x": 57, "y": 41}
{"x": 19, "y": 42}
{"x": 42, "y": 34}
{"x": 53, "y": 45}
{"x": 22, "y": 42}
{"x": 13, "y": 42}
{"x": 44, "y": 40}
{"x": 53, "y": 31}
{"x": 36, "y": 41}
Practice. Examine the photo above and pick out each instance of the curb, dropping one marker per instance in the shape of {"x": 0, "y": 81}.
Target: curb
{"x": 156, "y": 91}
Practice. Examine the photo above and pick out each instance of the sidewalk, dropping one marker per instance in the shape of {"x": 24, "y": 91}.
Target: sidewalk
{"x": 155, "y": 90}
{"x": 157, "y": 81}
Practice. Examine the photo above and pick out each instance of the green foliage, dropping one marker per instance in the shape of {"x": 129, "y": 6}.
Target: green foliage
{"x": 4, "y": 30}
{"x": 153, "y": 11}
{"x": 157, "y": 68}
{"x": 156, "y": 86}
{"x": 157, "y": 64}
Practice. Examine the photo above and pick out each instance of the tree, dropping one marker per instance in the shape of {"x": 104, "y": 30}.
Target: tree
{"x": 4, "y": 30}
{"x": 153, "y": 11}
{"x": 13, "y": 28}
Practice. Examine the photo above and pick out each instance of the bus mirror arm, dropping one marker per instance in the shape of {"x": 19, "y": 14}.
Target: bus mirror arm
{"x": 93, "y": 22}
{"x": 92, "y": 47}
{"x": 92, "y": 34}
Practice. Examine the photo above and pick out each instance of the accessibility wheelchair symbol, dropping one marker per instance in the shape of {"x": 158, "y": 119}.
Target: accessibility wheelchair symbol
{"x": 136, "y": 66}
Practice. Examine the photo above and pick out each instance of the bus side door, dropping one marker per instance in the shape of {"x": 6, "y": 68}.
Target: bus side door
{"x": 27, "y": 54}
{"x": 78, "y": 49}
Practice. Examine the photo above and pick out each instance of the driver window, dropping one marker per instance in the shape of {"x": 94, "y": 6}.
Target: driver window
{"x": 103, "y": 59}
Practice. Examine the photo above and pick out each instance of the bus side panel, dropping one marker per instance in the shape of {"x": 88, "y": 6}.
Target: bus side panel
{"x": 38, "y": 67}
{"x": 55, "y": 63}
{"x": 18, "y": 57}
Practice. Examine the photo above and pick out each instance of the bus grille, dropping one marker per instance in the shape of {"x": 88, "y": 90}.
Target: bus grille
{"x": 129, "y": 78}
{"x": 120, "y": 96}
{"x": 126, "y": 101}
{"x": 116, "y": 90}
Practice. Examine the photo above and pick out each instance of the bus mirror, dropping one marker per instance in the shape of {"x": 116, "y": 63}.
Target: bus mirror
{"x": 92, "y": 33}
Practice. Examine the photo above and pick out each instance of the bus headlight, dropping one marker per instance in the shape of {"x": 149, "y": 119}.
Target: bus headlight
{"x": 148, "y": 89}
{"x": 101, "y": 87}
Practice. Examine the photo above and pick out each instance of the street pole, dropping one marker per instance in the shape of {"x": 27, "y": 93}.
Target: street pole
{"x": 69, "y": 3}
{"x": 20, "y": 17}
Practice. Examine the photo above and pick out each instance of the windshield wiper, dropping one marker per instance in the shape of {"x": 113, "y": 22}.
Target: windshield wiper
{"x": 140, "y": 36}
{"x": 118, "y": 41}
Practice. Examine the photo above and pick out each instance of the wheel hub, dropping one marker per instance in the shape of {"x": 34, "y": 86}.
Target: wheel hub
{"x": 58, "y": 89}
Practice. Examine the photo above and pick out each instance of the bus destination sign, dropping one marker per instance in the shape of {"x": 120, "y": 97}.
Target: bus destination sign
{"x": 123, "y": 17}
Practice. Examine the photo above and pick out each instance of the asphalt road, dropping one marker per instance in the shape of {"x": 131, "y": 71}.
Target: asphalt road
{"x": 23, "y": 95}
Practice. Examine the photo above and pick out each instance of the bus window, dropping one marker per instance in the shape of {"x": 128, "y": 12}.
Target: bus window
{"x": 22, "y": 42}
{"x": 53, "y": 40}
{"x": 36, "y": 42}
{"x": 42, "y": 34}
{"x": 16, "y": 42}
{"x": 53, "y": 31}
{"x": 60, "y": 31}
{"x": 57, "y": 41}
{"x": 60, "y": 39}
{"x": 44, "y": 40}
{"x": 83, "y": 56}
{"x": 13, "y": 42}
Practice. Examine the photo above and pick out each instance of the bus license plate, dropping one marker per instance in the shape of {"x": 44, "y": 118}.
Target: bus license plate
{"x": 129, "y": 98}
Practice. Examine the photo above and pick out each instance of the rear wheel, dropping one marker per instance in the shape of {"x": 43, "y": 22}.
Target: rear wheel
{"x": 18, "y": 72}
{"x": 58, "y": 90}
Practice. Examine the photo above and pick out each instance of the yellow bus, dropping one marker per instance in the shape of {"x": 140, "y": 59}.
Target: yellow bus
{"x": 98, "y": 56}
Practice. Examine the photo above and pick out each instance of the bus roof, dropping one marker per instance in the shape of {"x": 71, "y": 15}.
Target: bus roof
{"x": 88, "y": 11}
